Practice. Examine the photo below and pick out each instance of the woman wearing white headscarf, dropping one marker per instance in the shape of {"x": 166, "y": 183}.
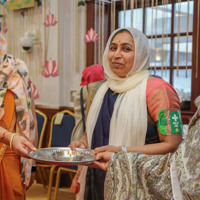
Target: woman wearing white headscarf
{"x": 17, "y": 126}
{"x": 126, "y": 107}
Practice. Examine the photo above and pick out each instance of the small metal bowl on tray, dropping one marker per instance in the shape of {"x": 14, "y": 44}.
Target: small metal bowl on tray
{"x": 68, "y": 155}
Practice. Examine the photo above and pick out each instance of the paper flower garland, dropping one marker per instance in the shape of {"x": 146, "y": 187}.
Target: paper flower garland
{"x": 91, "y": 36}
{"x": 50, "y": 69}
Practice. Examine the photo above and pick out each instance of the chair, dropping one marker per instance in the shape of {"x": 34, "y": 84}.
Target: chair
{"x": 60, "y": 136}
{"x": 41, "y": 127}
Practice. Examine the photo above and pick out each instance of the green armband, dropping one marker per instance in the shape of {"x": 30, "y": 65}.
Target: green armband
{"x": 169, "y": 121}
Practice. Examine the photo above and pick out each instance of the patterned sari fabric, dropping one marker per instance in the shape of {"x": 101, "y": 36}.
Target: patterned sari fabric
{"x": 14, "y": 77}
{"x": 172, "y": 176}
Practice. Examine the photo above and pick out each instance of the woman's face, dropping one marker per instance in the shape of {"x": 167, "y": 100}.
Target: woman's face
{"x": 121, "y": 54}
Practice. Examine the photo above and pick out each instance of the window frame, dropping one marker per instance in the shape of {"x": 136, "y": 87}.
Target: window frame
{"x": 195, "y": 82}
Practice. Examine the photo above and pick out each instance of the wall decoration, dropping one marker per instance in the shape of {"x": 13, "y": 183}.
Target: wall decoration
{"x": 50, "y": 20}
{"x": 39, "y": 3}
{"x": 81, "y": 3}
{"x": 19, "y": 4}
{"x": 3, "y": 1}
{"x": 50, "y": 69}
{"x": 4, "y": 27}
{"x": 34, "y": 90}
{"x": 91, "y": 36}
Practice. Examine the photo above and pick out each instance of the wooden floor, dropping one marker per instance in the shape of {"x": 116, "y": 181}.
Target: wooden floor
{"x": 38, "y": 192}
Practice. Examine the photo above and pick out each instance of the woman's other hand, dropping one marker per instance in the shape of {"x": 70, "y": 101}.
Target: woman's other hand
{"x": 108, "y": 148}
{"x": 77, "y": 144}
{"x": 19, "y": 145}
{"x": 104, "y": 160}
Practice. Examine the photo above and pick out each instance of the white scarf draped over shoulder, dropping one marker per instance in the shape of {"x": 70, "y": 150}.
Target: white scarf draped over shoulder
{"x": 129, "y": 119}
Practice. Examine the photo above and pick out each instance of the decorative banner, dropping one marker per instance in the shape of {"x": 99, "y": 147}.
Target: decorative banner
{"x": 91, "y": 36}
{"x": 50, "y": 20}
{"x": 19, "y": 4}
{"x": 50, "y": 69}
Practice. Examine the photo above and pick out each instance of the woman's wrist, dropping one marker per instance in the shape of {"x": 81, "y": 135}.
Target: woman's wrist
{"x": 11, "y": 139}
{"x": 6, "y": 138}
{"x": 124, "y": 149}
{"x": 3, "y": 135}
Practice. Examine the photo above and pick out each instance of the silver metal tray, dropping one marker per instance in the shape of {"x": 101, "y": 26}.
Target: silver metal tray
{"x": 63, "y": 156}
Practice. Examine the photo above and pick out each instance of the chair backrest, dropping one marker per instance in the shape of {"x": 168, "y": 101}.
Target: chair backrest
{"x": 60, "y": 135}
{"x": 41, "y": 126}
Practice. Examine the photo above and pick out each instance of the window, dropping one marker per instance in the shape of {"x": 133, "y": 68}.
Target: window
{"x": 169, "y": 29}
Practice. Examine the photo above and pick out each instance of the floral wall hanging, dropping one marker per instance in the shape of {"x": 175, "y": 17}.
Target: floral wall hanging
{"x": 91, "y": 36}
{"x": 50, "y": 20}
{"x": 50, "y": 69}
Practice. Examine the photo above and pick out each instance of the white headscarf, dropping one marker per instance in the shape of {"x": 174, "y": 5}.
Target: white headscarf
{"x": 129, "y": 119}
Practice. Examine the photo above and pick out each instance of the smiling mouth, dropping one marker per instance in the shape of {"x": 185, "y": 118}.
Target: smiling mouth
{"x": 116, "y": 64}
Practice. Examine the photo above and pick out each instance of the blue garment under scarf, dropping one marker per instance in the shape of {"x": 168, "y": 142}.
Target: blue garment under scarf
{"x": 94, "y": 189}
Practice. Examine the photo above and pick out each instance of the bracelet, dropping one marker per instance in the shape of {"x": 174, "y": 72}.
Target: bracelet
{"x": 83, "y": 142}
{"x": 124, "y": 149}
{"x": 3, "y": 135}
{"x": 11, "y": 139}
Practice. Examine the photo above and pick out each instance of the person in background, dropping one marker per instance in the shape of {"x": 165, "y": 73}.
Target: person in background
{"x": 129, "y": 111}
{"x": 18, "y": 132}
{"x": 171, "y": 176}
{"x": 90, "y": 74}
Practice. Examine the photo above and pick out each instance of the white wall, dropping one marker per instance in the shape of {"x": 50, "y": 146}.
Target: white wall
{"x": 72, "y": 48}
{"x": 63, "y": 42}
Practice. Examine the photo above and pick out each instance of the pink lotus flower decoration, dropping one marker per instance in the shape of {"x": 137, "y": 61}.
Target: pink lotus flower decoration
{"x": 91, "y": 36}
{"x": 50, "y": 69}
{"x": 50, "y": 20}
{"x": 34, "y": 90}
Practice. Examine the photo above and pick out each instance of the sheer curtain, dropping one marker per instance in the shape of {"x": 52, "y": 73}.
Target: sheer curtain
{"x": 72, "y": 48}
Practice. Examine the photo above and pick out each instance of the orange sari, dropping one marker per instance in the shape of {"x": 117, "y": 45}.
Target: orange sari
{"x": 11, "y": 186}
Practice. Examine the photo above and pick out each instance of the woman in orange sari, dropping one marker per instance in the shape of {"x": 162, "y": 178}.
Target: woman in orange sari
{"x": 17, "y": 126}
